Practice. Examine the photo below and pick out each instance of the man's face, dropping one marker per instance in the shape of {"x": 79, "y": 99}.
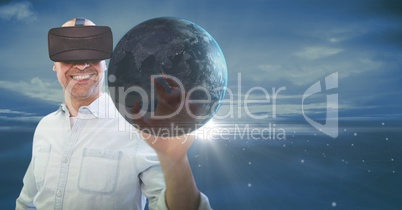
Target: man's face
{"x": 81, "y": 80}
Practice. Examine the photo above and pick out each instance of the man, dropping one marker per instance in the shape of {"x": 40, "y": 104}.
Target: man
{"x": 82, "y": 159}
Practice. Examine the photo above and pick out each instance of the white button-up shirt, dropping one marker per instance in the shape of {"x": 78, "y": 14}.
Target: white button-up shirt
{"x": 100, "y": 162}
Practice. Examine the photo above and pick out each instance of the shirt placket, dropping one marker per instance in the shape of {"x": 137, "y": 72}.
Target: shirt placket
{"x": 69, "y": 146}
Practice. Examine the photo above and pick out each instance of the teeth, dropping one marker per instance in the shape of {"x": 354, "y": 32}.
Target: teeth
{"x": 81, "y": 77}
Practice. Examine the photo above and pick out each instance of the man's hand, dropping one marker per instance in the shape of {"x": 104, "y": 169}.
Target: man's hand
{"x": 173, "y": 148}
{"x": 181, "y": 189}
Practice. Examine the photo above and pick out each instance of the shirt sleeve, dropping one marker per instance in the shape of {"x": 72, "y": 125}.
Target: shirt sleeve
{"x": 28, "y": 192}
{"x": 151, "y": 176}
{"x": 204, "y": 202}
{"x": 153, "y": 181}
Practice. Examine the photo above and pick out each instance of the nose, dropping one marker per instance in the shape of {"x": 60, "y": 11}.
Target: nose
{"x": 81, "y": 66}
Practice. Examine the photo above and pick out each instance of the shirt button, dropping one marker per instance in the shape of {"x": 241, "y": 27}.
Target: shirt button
{"x": 101, "y": 153}
{"x": 59, "y": 193}
{"x": 65, "y": 160}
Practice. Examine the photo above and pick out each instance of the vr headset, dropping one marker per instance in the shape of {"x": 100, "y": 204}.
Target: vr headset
{"x": 80, "y": 43}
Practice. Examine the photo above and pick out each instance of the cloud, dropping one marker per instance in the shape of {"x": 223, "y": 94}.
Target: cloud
{"x": 313, "y": 53}
{"x": 304, "y": 71}
{"x": 14, "y": 115}
{"x": 36, "y": 88}
{"x": 20, "y": 11}
{"x": 9, "y": 111}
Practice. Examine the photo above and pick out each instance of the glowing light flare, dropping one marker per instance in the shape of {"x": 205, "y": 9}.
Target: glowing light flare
{"x": 209, "y": 131}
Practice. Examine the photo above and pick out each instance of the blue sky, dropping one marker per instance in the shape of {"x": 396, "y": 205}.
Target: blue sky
{"x": 270, "y": 44}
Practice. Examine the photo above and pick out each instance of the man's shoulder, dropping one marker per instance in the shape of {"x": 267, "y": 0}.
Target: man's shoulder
{"x": 50, "y": 118}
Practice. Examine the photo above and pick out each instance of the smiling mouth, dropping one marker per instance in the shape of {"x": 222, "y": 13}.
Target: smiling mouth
{"x": 81, "y": 77}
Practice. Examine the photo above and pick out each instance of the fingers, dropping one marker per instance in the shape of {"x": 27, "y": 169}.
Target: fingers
{"x": 175, "y": 89}
{"x": 171, "y": 82}
{"x": 159, "y": 88}
{"x": 136, "y": 108}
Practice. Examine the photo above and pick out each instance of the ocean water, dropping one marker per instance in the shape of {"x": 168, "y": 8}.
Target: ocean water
{"x": 360, "y": 169}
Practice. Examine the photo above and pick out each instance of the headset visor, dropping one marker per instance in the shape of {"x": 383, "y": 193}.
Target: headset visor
{"x": 80, "y": 43}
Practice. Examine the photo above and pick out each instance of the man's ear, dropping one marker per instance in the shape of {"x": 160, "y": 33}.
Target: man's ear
{"x": 54, "y": 67}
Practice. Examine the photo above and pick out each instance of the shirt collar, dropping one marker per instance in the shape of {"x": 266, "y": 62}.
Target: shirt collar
{"x": 102, "y": 107}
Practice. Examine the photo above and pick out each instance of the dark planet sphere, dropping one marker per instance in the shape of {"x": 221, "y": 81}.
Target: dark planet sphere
{"x": 167, "y": 76}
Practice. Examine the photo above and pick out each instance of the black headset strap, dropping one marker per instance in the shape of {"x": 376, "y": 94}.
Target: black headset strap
{"x": 79, "y": 21}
